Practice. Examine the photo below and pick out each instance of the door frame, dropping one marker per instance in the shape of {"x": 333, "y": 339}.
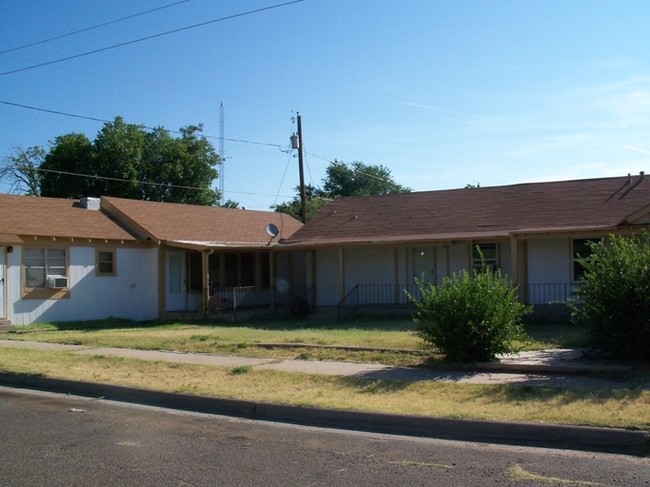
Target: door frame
{"x": 175, "y": 300}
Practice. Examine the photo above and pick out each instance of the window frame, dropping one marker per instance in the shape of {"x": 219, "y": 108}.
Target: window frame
{"x": 477, "y": 263}
{"x": 98, "y": 262}
{"x": 577, "y": 269}
{"x": 44, "y": 290}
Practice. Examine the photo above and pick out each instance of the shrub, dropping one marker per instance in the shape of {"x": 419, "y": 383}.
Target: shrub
{"x": 613, "y": 305}
{"x": 470, "y": 317}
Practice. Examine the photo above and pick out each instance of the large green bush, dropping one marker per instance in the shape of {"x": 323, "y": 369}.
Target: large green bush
{"x": 613, "y": 305}
{"x": 470, "y": 316}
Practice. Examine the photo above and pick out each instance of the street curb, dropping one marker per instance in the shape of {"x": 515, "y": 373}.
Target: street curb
{"x": 610, "y": 440}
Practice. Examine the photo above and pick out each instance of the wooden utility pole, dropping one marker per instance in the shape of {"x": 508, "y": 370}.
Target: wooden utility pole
{"x": 303, "y": 196}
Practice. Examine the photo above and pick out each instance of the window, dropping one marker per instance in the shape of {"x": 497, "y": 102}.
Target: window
{"x": 43, "y": 263}
{"x": 195, "y": 268}
{"x": 485, "y": 254}
{"x": 105, "y": 263}
{"x": 580, "y": 251}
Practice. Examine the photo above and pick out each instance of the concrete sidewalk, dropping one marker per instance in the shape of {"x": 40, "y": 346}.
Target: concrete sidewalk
{"x": 564, "y": 368}
{"x": 552, "y": 368}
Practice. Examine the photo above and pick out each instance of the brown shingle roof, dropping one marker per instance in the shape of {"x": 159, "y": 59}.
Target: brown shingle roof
{"x": 55, "y": 217}
{"x": 190, "y": 223}
{"x": 489, "y": 212}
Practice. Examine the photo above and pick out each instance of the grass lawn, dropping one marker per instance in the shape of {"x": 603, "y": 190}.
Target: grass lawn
{"x": 389, "y": 341}
{"x": 623, "y": 408}
{"x": 626, "y": 409}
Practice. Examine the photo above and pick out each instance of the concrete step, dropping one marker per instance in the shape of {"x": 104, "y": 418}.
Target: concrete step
{"x": 6, "y": 326}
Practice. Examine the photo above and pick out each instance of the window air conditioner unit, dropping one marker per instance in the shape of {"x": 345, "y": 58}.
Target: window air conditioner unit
{"x": 57, "y": 282}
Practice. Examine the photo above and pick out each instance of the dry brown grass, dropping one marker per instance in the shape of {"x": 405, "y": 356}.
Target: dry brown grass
{"x": 625, "y": 409}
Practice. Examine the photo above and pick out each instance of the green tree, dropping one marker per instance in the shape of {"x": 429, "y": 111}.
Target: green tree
{"x": 127, "y": 161}
{"x": 229, "y": 204}
{"x": 314, "y": 202}
{"x": 70, "y": 156}
{"x": 356, "y": 179}
{"x": 21, "y": 170}
{"x": 118, "y": 154}
{"x": 613, "y": 305}
{"x": 359, "y": 179}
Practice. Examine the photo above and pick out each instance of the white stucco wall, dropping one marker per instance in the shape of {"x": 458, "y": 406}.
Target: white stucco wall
{"x": 132, "y": 293}
{"x": 327, "y": 272}
{"x": 549, "y": 270}
{"x": 549, "y": 260}
{"x": 505, "y": 259}
{"x": 458, "y": 258}
{"x": 369, "y": 265}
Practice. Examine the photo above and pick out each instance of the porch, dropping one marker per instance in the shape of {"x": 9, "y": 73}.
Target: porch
{"x": 546, "y": 298}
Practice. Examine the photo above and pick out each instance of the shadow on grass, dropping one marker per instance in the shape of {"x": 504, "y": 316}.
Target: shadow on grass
{"x": 534, "y": 390}
{"x": 273, "y": 321}
{"x": 557, "y": 395}
{"x": 556, "y": 334}
{"x": 106, "y": 324}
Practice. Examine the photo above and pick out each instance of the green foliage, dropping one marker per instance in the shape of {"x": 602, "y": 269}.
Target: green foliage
{"x": 70, "y": 153}
{"x": 315, "y": 202}
{"x": 241, "y": 369}
{"x": 128, "y": 161}
{"x": 359, "y": 179}
{"x": 355, "y": 179}
{"x": 613, "y": 305}
{"x": 470, "y": 317}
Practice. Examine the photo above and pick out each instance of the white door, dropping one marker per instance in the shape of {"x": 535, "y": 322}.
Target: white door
{"x": 3, "y": 277}
{"x": 424, "y": 266}
{"x": 176, "y": 290}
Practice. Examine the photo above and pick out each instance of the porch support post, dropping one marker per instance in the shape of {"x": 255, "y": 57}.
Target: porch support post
{"x": 514, "y": 260}
{"x": 272, "y": 279}
{"x": 205, "y": 284}
{"x": 162, "y": 280}
{"x": 514, "y": 264}
{"x": 341, "y": 274}
{"x": 314, "y": 278}
{"x": 398, "y": 291}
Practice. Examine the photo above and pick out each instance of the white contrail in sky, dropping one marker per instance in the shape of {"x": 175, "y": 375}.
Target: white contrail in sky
{"x": 636, "y": 149}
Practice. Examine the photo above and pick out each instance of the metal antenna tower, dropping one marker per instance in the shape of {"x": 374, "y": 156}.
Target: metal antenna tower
{"x": 222, "y": 155}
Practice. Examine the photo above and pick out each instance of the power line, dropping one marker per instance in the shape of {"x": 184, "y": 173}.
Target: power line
{"x": 282, "y": 180}
{"x": 240, "y": 141}
{"x": 91, "y": 28}
{"x": 101, "y": 120}
{"x": 154, "y": 36}
{"x": 150, "y": 183}
{"x": 374, "y": 176}
{"x": 123, "y": 180}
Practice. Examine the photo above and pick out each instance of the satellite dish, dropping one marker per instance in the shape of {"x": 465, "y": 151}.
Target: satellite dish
{"x": 272, "y": 230}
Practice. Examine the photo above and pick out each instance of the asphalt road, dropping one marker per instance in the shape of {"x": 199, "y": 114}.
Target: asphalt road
{"x": 57, "y": 440}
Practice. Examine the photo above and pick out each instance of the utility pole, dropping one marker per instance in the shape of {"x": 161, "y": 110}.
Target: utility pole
{"x": 222, "y": 156}
{"x": 296, "y": 143}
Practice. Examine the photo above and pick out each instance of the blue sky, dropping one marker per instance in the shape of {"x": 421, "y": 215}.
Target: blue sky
{"x": 443, "y": 93}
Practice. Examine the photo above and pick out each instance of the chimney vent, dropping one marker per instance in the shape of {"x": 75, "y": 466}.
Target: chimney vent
{"x": 90, "y": 203}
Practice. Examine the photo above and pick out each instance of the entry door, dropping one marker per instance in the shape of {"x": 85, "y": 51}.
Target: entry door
{"x": 176, "y": 289}
{"x": 3, "y": 284}
{"x": 424, "y": 264}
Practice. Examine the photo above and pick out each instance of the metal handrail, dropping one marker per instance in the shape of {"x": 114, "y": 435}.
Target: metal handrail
{"x": 352, "y": 295}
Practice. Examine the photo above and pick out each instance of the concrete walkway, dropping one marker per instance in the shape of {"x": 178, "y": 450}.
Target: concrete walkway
{"x": 550, "y": 368}
{"x": 553, "y": 368}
